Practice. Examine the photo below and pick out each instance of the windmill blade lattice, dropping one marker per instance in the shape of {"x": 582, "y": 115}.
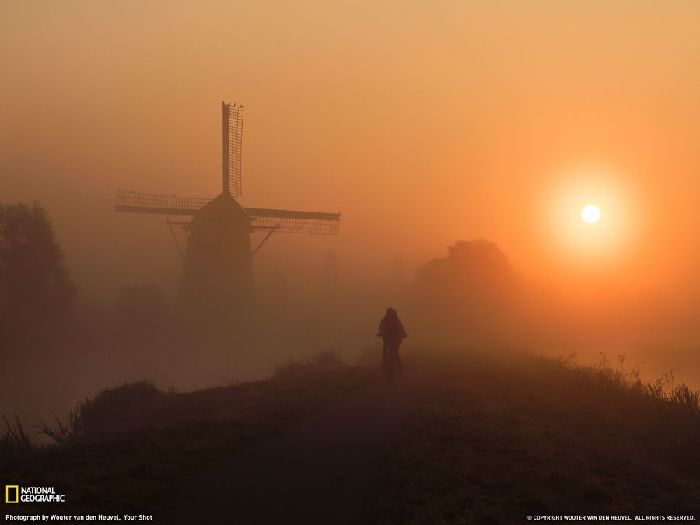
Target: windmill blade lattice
{"x": 287, "y": 221}
{"x": 232, "y": 147}
{"x": 135, "y": 202}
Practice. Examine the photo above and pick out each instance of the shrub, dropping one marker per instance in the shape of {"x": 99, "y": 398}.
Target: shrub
{"x": 104, "y": 412}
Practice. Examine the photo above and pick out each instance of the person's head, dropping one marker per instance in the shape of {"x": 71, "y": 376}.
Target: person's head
{"x": 391, "y": 313}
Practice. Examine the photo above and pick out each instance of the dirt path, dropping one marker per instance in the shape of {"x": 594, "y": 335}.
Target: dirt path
{"x": 323, "y": 470}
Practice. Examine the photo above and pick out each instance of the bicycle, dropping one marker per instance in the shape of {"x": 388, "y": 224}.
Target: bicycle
{"x": 391, "y": 363}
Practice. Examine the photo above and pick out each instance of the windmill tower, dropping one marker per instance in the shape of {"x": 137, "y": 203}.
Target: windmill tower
{"x": 217, "y": 281}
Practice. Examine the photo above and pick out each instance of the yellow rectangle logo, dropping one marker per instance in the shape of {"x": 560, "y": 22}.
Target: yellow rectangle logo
{"x": 11, "y": 493}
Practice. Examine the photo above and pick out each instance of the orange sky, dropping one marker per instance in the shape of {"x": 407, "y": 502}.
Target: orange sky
{"x": 423, "y": 122}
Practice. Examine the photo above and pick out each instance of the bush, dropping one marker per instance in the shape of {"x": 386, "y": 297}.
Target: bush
{"x": 104, "y": 412}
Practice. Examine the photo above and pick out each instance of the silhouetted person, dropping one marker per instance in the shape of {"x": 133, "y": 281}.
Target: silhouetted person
{"x": 392, "y": 332}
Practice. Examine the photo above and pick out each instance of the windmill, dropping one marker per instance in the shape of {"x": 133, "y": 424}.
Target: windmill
{"x": 217, "y": 261}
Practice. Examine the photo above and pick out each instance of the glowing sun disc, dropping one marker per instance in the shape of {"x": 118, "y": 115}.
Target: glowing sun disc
{"x": 590, "y": 214}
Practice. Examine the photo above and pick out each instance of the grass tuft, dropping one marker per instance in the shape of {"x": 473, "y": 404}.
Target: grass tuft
{"x": 14, "y": 442}
{"x": 319, "y": 363}
{"x": 97, "y": 416}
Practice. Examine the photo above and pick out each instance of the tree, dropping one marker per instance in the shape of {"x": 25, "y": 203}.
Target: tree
{"x": 470, "y": 292}
{"x": 35, "y": 289}
{"x": 470, "y": 268}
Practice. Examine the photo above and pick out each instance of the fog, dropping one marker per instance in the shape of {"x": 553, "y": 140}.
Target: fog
{"x": 423, "y": 124}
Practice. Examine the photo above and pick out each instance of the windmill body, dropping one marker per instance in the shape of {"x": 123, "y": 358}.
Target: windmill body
{"x": 218, "y": 267}
{"x": 217, "y": 281}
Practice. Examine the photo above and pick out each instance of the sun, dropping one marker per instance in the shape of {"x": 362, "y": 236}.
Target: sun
{"x": 590, "y": 214}
{"x": 591, "y": 217}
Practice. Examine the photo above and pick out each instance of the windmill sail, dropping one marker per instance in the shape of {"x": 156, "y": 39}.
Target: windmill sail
{"x": 282, "y": 221}
{"x": 287, "y": 221}
{"x": 131, "y": 201}
{"x": 232, "y": 144}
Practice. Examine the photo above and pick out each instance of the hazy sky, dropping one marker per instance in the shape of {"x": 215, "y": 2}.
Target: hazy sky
{"x": 422, "y": 122}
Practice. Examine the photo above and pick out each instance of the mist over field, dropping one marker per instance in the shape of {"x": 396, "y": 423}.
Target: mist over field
{"x": 459, "y": 141}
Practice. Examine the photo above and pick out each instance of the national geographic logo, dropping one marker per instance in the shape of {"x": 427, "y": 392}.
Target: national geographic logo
{"x": 11, "y": 493}
{"x": 17, "y": 494}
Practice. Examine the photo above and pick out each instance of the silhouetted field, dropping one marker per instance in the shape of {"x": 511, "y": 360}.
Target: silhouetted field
{"x": 487, "y": 438}
{"x": 495, "y": 439}
{"x": 125, "y": 448}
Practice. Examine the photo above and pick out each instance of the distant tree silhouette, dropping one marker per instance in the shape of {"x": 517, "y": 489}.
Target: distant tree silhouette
{"x": 470, "y": 267}
{"x": 35, "y": 289}
{"x": 470, "y": 291}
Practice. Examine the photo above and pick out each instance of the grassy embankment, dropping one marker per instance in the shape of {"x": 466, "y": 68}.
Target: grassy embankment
{"x": 497, "y": 438}
{"x": 491, "y": 438}
{"x": 124, "y": 449}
